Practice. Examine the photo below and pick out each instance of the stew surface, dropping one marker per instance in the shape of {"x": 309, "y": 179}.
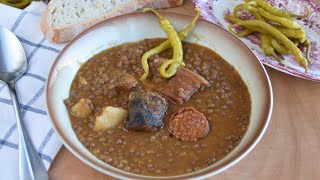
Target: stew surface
{"x": 226, "y": 104}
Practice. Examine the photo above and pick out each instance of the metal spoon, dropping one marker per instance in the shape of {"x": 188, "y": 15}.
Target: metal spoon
{"x": 13, "y": 64}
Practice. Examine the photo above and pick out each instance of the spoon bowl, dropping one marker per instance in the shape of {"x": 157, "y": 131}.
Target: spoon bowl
{"x": 13, "y": 61}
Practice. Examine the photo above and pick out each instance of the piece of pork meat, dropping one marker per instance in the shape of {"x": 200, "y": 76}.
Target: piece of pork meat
{"x": 183, "y": 85}
{"x": 126, "y": 81}
{"x": 114, "y": 82}
{"x": 146, "y": 110}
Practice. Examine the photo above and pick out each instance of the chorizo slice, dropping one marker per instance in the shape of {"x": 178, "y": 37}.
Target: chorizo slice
{"x": 188, "y": 124}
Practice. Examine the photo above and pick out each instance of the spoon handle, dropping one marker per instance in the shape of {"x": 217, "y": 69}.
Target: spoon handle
{"x": 31, "y": 166}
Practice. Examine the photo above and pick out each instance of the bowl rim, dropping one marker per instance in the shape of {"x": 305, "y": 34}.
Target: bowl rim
{"x": 266, "y": 118}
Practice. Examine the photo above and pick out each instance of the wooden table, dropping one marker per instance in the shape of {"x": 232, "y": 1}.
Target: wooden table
{"x": 290, "y": 149}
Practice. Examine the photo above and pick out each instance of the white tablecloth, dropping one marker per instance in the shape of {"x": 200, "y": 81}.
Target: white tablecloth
{"x": 30, "y": 89}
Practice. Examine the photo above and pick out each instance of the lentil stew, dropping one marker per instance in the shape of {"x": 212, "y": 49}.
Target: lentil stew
{"x": 108, "y": 78}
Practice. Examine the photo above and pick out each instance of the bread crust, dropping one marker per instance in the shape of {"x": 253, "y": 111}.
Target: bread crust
{"x": 162, "y": 4}
{"x": 66, "y": 33}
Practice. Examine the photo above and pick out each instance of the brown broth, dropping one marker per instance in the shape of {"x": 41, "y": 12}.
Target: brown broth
{"x": 226, "y": 104}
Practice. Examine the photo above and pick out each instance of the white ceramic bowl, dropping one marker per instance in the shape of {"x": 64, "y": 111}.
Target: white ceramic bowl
{"x": 138, "y": 26}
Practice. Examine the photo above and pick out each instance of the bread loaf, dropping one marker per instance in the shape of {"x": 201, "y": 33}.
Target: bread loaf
{"x": 64, "y": 19}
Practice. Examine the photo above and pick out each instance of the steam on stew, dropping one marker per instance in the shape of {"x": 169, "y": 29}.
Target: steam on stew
{"x": 158, "y": 127}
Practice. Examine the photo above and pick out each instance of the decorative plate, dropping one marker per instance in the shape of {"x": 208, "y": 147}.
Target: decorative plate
{"x": 215, "y": 10}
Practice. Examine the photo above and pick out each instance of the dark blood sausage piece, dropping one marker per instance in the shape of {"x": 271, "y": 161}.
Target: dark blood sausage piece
{"x": 188, "y": 124}
{"x": 183, "y": 85}
{"x": 146, "y": 110}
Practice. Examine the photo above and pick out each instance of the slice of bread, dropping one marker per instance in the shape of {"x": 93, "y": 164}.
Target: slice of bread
{"x": 64, "y": 19}
{"x": 162, "y": 4}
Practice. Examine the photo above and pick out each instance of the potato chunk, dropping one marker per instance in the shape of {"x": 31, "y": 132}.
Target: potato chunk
{"x": 110, "y": 117}
{"x": 82, "y": 80}
{"x": 82, "y": 108}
